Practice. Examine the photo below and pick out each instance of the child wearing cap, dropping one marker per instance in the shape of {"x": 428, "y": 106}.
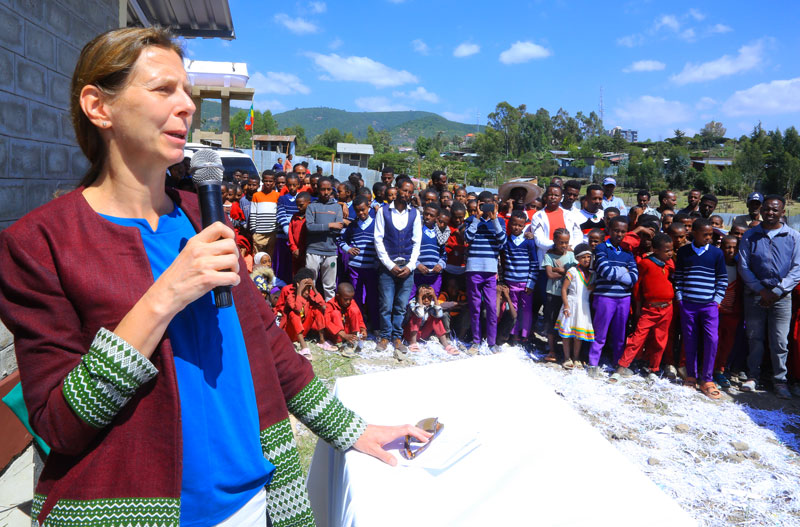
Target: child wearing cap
{"x": 574, "y": 323}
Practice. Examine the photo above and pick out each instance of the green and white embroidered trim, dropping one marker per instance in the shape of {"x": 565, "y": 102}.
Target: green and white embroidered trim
{"x": 287, "y": 498}
{"x": 106, "y": 378}
{"x": 120, "y": 512}
{"x": 326, "y": 416}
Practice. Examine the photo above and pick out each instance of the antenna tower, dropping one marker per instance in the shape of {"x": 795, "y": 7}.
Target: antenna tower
{"x": 602, "y": 110}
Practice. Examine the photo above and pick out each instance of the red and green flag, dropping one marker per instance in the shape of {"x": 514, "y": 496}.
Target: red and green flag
{"x": 248, "y": 123}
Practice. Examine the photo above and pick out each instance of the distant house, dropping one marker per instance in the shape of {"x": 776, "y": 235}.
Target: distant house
{"x": 719, "y": 162}
{"x": 354, "y": 154}
{"x": 284, "y": 144}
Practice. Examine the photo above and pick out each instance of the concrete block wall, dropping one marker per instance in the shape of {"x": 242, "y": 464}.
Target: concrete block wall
{"x": 39, "y": 45}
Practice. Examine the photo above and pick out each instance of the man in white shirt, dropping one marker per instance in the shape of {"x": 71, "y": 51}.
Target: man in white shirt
{"x": 398, "y": 235}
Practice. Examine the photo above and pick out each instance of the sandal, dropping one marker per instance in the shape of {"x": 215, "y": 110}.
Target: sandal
{"x": 327, "y": 346}
{"x": 451, "y": 350}
{"x": 690, "y": 382}
{"x": 305, "y": 352}
{"x": 710, "y": 390}
{"x": 413, "y": 347}
{"x": 568, "y": 364}
{"x": 550, "y": 358}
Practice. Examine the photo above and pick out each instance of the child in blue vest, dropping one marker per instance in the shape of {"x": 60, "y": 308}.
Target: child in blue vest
{"x": 616, "y": 272}
{"x": 486, "y": 234}
{"x": 520, "y": 270}
{"x": 286, "y": 209}
{"x": 358, "y": 241}
{"x": 431, "y": 253}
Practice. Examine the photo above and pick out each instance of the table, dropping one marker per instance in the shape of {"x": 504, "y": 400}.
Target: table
{"x": 539, "y": 463}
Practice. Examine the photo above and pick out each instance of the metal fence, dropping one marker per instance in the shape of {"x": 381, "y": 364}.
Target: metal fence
{"x": 264, "y": 160}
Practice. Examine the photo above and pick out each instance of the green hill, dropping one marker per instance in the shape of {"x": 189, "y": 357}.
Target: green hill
{"x": 404, "y": 127}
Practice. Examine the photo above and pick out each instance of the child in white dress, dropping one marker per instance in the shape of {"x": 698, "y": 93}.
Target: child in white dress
{"x": 575, "y": 320}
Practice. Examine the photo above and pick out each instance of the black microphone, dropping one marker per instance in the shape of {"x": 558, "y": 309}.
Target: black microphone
{"x": 206, "y": 170}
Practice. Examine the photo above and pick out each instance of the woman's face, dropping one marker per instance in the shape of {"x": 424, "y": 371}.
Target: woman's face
{"x": 149, "y": 118}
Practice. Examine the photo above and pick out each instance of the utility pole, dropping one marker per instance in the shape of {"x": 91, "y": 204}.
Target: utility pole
{"x": 602, "y": 109}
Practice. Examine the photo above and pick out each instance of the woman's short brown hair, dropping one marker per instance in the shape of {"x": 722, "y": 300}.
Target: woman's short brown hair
{"x": 106, "y": 63}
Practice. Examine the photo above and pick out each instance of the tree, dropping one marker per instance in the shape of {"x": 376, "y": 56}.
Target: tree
{"x": 380, "y": 141}
{"x": 714, "y": 130}
{"x": 300, "y": 135}
{"x": 490, "y": 147}
{"x": 264, "y": 123}
{"x": 422, "y": 145}
{"x": 506, "y": 119}
{"x": 329, "y": 138}
{"x": 679, "y": 139}
{"x": 677, "y": 168}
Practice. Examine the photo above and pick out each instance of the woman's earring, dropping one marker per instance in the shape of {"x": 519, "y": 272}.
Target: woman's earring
{"x": 105, "y": 124}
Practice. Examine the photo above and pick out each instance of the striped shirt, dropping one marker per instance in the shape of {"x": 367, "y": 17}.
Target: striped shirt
{"x": 431, "y": 253}
{"x": 486, "y": 239}
{"x": 287, "y": 207}
{"x": 700, "y": 274}
{"x": 520, "y": 262}
{"x": 360, "y": 235}
{"x": 616, "y": 271}
{"x": 263, "y": 212}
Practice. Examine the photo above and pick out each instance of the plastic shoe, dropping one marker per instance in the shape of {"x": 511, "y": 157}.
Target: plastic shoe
{"x": 782, "y": 391}
{"x": 721, "y": 380}
{"x": 347, "y": 352}
{"x": 473, "y": 350}
{"x": 671, "y": 372}
{"x": 748, "y": 386}
{"x": 624, "y": 372}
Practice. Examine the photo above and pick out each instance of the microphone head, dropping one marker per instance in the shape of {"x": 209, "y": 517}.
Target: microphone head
{"x": 206, "y": 165}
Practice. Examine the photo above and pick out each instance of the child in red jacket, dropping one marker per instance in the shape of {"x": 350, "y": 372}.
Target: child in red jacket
{"x": 653, "y": 294}
{"x": 730, "y": 310}
{"x": 297, "y": 231}
{"x": 343, "y": 321}
{"x": 302, "y": 310}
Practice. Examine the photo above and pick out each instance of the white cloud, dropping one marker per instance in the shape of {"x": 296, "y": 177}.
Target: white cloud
{"x": 317, "y": 7}
{"x": 720, "y": 28}
{"x": 631, "y": 41}
{"x": 418, "y": 94}
{"x": 688, "y": 35}
{"x": 652, "y": 111}
{"x": 465, "y": 49}
{"x": 667, "y": 21}
{"x": 419, "y": 46}
{"x": 523, "y": 52}
{"x": 295, "y": 25}
{"x": 379, "y": 104}
{"x": 336, "y": 43}
{"x": 645, "y": 65}
{"x": 360, "y": 69}
{"x": 277, "y": 82}
{"x": 749, "y": 57}
{"x": 705, "y": 103}
{"x": 767, "y": 98}
{"x": 271, "y": 105}
{"x": 457, "y": 117}
{"x": 696, "y": 14}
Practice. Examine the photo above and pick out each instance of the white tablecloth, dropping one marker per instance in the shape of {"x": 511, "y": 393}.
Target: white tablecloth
{"x": 539, "y": 463}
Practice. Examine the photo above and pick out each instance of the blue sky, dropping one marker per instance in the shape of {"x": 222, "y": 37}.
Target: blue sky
{"x": 661, "y": 65}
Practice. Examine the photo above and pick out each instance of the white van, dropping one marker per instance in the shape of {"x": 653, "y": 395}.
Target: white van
{"x": 232, "y": 159}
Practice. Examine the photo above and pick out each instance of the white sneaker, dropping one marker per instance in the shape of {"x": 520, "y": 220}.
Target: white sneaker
{"x": 748, "y": 386}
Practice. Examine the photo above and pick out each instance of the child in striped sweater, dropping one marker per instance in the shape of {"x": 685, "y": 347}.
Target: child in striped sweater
{"x": 701, "y": 280}
{"x": 616, "y": 272}
{"x": 431, "y": 253}
{"x": 358, "y": 240}
{"x": 287, "y": 207}
{"x": 486, "y": 234}
{"x": 520, "y": 269}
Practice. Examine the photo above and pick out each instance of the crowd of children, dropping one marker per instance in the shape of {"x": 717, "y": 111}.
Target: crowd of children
{"x": 657, "y": 290}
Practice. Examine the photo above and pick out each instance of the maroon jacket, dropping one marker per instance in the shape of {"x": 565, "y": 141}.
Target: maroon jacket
{"x": 67, "y": 272}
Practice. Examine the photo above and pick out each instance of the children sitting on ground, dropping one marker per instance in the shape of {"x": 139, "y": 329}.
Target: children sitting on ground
{"x": 245, "y": 250}
{"x": 486, "y": 235}
{"x": 343, "y": 322}
{"x": 557, "y": 261}
{"x": 574, "y": 324}
{"x": 520, "y": 270}
{"x": 425, "y": 318}
{"x": 616, "y": 273}
{"x": 432, "y": 254}
{"x": 298, "y": 231}
{"x": 302, "y": 311}
{"x": 701, "y": 280}
{"x": 652, "y": 312}
{"x": 454, "y": 302}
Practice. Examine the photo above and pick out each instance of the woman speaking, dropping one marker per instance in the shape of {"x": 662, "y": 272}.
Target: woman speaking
{"x": 159, "y": 408}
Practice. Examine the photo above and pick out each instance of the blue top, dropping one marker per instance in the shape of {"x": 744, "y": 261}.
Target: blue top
{"x": 616, "y": 270}
{"x": 360, "y": 235}
{"x": 287, "y": 207}
{"x": 700, "y": 274}
{"x": 521, "y": 260}
{"x": 431, "y": 253}
{"x": 616, "y": 201}
{"x": 770, "y": 259}
{"x": 486, "y": 239}
{"x": 223, "y": 464}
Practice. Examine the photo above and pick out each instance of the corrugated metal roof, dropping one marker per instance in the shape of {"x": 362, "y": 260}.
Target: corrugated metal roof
{"x": 187, "y": 18}
{"x": 268, "y": 137}
{"x": 353, "y": 148}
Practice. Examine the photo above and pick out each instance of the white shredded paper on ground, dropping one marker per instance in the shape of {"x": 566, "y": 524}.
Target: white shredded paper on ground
{"x": 695, "y": 463}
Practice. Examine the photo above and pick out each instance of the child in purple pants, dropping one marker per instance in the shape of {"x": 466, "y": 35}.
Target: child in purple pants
{"x": 520, "y": 270}
{"x": 486, "y": 235}
{"x": 616, "y": 272}
{"x": 701, "y": 279}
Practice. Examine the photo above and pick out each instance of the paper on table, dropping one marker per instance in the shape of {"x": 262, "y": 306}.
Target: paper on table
{"x": 450, "y": 446}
